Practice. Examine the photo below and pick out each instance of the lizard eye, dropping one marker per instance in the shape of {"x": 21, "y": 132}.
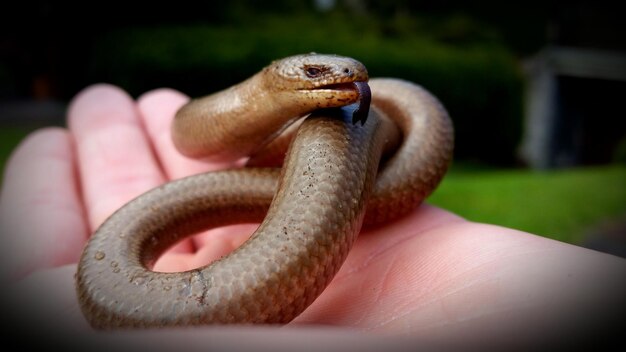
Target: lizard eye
{"x": 313, "y": 72}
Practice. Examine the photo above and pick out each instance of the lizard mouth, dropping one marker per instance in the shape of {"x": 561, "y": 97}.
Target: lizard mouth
{"x": 355, "y": 93}
{"x": 350, "y": 86}
{"x": 362, "y": 99}
{"x": 343, "y": 86}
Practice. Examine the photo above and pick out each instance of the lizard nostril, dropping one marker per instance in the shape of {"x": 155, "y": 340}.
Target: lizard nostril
{"x": 347, "y": 71}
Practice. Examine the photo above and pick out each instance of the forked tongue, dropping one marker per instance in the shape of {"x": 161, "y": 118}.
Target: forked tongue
{"x": 363, "y": 107}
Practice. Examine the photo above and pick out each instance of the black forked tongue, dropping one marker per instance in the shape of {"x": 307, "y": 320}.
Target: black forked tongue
{"x": 363, "y": 108}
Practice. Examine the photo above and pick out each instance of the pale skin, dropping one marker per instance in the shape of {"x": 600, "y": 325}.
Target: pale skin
{"x": 429, "y": 276}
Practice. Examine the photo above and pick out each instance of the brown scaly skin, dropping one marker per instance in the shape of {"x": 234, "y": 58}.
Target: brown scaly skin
{"x": 320, "y": 198}
{"x": 239, "y": 120}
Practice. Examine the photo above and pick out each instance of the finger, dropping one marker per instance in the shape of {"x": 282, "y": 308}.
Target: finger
{"x": 116, "y": 162}
{"x": 41, "y": 213}
{"x": 116, "y": 158}
{"x": 158, "y": 109}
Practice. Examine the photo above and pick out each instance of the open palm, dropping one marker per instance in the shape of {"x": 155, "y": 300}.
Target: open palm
{"x": 430, "y": 274}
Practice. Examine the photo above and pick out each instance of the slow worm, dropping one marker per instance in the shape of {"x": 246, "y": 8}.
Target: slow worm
{"x": 312, "y": 209}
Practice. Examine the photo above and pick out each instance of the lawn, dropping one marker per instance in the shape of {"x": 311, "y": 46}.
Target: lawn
{"x": 9, "y": 138}
{"x": 560, "y": 204}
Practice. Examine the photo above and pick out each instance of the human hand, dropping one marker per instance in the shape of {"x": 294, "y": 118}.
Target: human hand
{"x": 430, "y": 275}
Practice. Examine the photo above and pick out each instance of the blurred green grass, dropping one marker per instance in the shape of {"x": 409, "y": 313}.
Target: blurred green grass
{"x": 9, "y": 139}
{"x": 560, "y": 204}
